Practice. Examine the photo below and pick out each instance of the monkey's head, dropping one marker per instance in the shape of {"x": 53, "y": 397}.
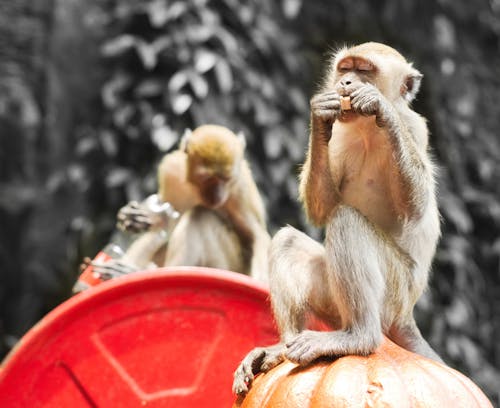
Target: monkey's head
{"x": 214, "y": 156}
{"x": 377, "y": 64}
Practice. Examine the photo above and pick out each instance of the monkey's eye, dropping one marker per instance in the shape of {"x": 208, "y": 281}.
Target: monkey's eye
{"x": 346, "y": 64}
{"x": 364, "y": 66}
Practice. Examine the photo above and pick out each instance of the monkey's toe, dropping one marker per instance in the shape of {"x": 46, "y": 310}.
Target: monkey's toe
{"x": 307, "y": 347}
{"x": 243, "y": 378}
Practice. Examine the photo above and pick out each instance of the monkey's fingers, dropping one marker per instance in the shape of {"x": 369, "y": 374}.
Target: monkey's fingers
{"x": 366, "y": 100}
{"x": 325, "y": 96}
{"x": 135, "y": 225}
{"x": 125, "y": 214}
{"x": 85, "y": 263}
{"x": 310, "y": 345}
{"x": 112, "y": 269}
{"x": 328, "y": 105}
{"x": 327, "y": 115}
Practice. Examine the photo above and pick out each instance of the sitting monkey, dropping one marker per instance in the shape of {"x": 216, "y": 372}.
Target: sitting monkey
{"x": 369, "y": 180}
{"x": 222, "y": 222}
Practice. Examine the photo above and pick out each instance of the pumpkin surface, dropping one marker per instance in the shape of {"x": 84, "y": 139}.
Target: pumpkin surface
{"x": 391, "y": 377}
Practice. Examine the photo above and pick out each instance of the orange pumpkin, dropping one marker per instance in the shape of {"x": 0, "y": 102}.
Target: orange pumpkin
{"x": 391, "y": 377}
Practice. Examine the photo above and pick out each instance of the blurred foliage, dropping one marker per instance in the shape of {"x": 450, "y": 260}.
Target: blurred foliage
{"x": 182, "y": 64}
{"x": 117, "y": 82}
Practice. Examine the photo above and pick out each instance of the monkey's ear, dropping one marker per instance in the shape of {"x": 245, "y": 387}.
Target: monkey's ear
{"x": 185, "y": 139}
{"x": 410, "y": 87}
{"x": 241, "y": 137}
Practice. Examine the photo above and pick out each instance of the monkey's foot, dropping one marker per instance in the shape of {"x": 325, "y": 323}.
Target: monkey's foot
{"x": 259, "y": 360}
{"x": 310, "y": 345}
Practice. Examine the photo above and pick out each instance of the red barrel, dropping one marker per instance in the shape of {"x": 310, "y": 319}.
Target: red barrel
{"x": 165, "y": 338}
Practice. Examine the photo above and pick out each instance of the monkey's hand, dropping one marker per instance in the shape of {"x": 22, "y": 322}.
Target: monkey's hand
{"x": 113, "y": 268}
{"x": 259, "y": 360}
{"x": 134, "y": 218}
{"x": 325, "y": 109}
{"x": 367, "y": 100}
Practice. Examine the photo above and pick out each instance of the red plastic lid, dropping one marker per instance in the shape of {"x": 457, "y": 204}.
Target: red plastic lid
{"x": 165, "y": 338}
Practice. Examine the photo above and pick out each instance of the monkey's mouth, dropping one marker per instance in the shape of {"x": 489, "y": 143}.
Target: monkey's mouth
{"x": 214, "y": 195}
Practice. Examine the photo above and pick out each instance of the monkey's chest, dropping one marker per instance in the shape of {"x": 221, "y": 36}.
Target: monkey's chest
{"x": 363, "y": 174}
{"x": 370, "y": 194}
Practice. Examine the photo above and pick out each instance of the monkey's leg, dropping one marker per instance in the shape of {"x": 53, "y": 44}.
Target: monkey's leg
{"x": 297, "y": 269}
{"x": 297, "y": 281}
{"x": 408, "y": 336}
{"x": 358, "y": 260}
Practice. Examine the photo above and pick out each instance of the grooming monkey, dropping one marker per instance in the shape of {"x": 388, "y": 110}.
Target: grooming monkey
{"x": 228, "y": 229}
{"x": 369, "y": 181}
{"x": 223, "y": 223}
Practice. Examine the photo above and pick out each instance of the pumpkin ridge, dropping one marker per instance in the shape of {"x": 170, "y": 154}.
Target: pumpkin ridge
{"x": 384, "y": 359}
{"x": 472, "y": 389}
{"x": 275, "y": 378}
{"x": 320, "y": 384}
{"x": 430, "y": 367}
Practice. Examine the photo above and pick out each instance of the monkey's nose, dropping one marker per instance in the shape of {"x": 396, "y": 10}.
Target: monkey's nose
{"x": 346, "y": 82}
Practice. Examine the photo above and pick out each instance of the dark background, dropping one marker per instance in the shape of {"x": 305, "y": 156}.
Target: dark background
{"x": 93, "y": 93}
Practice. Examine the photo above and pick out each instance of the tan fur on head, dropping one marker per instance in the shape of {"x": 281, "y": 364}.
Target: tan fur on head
{"x": 214, "y": 144}
{"x": 396, "y": 76}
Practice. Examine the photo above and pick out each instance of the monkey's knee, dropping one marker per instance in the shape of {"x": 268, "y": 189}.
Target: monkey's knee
{"x": 291, "y": 250}
{"x": 284, "y": 240}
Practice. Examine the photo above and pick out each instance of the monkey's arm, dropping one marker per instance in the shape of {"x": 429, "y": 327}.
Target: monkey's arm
{"x": 139, "y": 256}
{"x": 142, "y": 250}
{"x": 317, "y": 190}
{"x": 251, "y": 231}
{"x": 416, "y": 178}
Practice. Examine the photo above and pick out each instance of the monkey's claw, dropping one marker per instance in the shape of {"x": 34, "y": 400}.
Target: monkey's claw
{"x": 259, "y": 360}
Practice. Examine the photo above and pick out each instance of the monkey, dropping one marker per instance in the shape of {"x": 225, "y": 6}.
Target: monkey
{"x": 369, "y": 180}
{"x": 222, "y": 222}
{"x": 227, "y": 229}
